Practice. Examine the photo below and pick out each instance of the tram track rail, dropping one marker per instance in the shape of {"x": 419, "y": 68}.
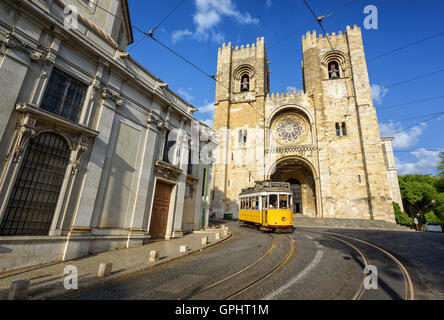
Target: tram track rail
{"x": 256, "y": 281}
{"x": 409, "y": 291}
{"x": 265, "y": 276}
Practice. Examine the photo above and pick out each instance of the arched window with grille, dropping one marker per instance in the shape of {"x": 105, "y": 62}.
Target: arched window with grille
{"x": 36, "y": 191}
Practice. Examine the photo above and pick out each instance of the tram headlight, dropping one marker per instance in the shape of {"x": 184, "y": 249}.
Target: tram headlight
{"x": 283, "y": 219}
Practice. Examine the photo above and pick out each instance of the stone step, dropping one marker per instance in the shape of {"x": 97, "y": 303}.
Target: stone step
{"x": 304, "y": 221}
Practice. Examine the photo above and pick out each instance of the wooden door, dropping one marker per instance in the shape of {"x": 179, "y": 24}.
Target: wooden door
{"x": 161, "y": 206}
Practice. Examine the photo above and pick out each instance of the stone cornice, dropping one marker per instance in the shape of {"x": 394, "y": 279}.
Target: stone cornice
{"x": 59, "y": 122}
{"x": 292, "y": 149}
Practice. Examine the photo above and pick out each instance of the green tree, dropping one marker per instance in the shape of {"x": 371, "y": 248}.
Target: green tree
{"x": 431, "y": 217}
{"x": 439, "y": 184}
{"x": 417, "y": 191}
{"x": 441, "y": 164}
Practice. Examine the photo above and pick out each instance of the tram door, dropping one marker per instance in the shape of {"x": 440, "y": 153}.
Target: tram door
{"x": 264, "y": 209}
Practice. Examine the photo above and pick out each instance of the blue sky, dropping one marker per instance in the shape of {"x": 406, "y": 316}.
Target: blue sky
{"x": 199, "y": 27}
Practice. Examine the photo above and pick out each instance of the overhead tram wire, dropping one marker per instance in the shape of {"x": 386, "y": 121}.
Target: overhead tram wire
{"x": 416, "y": 117}
{"x": 405, "y": 46}
{"x": 215, "y": 79}
{"x": 157, "y": 26}
{"x": 409, "y": 103}
{"x": 169, "y": 14}
{"x": 274, "y": 44}
{"x": 420, "y": 122}
{"x": 414, "y": 79}
{"x": 138, "y": 29}
{"x": 342, "y": 8}
{"x": 319, "y": 21}
{"x": 408, "y": 151}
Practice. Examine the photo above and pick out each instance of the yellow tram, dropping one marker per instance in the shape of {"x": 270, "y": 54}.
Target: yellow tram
{"x": 268, "y": 206}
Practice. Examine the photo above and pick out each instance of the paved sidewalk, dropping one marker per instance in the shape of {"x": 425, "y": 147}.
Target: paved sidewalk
{"x": 47, "y": 281}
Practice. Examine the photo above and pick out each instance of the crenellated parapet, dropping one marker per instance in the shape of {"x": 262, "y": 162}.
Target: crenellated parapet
{"x": 289, "y": 96}
{"x": 312, "y": 39}
{"x": 288, "y": 93}
{"x": 248, "y": 49}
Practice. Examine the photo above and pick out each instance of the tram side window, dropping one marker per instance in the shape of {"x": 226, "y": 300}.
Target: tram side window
{"x": 273, "y": 201}
{"x": 264, "y": 202}
{"x": 242, "y": 204}
{"x": 283, "y": 201}
{"x": 248, "y": 203}
{"x": 256, "y": 199}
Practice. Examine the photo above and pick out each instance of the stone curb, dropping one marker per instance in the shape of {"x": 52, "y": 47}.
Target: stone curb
{"x": 351, "y": 228}
{"x": 59, "y": 293}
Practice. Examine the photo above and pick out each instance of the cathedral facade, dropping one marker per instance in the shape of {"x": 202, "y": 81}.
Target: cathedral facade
{"x": 324, "y": 140}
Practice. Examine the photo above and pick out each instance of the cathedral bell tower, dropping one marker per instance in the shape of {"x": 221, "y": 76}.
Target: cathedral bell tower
{"x": 348, "y": 136}
{"x": 241, "y": 89}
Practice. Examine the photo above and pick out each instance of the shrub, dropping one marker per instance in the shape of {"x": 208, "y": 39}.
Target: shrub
{"x": 402, "y": 218}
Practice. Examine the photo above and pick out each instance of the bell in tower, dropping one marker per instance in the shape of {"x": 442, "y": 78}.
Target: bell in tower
{"x": 245, "y": 83}
{"x": 333, "y": 70}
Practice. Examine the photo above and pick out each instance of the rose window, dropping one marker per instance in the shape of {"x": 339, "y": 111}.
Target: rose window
{"x": 290, "y": 129}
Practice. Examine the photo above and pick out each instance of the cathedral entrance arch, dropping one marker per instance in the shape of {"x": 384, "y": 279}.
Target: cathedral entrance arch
{"x": 301, "y": 176}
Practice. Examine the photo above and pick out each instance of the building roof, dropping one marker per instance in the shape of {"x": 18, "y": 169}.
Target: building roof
{"x": 128, "y": 17}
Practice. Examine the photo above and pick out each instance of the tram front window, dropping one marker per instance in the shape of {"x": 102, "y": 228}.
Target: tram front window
{"x": 273, "y": 201}
{"x": 283, "y": 201}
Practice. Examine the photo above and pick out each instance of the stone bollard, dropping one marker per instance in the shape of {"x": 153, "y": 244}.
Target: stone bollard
{"x": 154, "y": 256}
{"x": 183, "y": 249}
{"x": 105, "y": 270}
{"x": 204, "y": 241}
{"x": 18, "y": 290}
{"x": 217, "y": 236}
{"x": 225, "y": 232}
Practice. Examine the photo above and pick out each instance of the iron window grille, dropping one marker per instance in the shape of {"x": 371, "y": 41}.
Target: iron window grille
{"x": 64, "y": 96}
{"x": 190, "y": 164}
{"x": 34, "y": 198}
{"x": 170, "y": 141}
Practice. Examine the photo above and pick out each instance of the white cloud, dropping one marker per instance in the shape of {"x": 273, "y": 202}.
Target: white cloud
{"x": 180, "y": 34}
{"x": 378, "y": 93}
{"x": 403, "y": 138}
{"x": 427, "y": 163}
{"x": 268, "y": 3}
{"x": 185, "y": 94}
{"x": 209, "y": 122}
{"x": 208, "y": 108}
{"x": 292, "y": 88}
{"x": 209, "y": 14}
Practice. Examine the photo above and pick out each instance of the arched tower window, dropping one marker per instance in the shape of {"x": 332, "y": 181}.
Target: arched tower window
{"x": 245, "y": 83}
{"x": 333, "y": 70}
{"x": 34, "y": 198}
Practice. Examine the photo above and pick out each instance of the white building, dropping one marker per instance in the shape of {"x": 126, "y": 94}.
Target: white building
{"x": 84, "y": 137}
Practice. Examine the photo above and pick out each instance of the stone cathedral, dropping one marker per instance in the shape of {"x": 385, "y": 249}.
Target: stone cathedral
{"x": 324, "y": 140}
